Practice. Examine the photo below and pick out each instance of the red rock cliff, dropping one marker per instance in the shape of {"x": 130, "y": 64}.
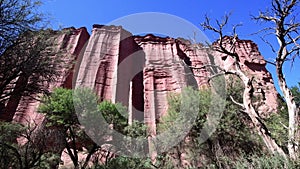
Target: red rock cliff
{"x": 71, "y": 41}
{"x": 140, "y": 71}
{"x": 253, "y": 63}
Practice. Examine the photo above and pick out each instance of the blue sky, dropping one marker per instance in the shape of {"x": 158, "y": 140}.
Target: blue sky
{"x": 66, "y": 13}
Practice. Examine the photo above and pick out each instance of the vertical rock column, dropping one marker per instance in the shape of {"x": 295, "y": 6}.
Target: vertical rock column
{"x": 150, "y": 113}
{"x": 164, "y": 73}
{"x": 198, "y": 57}
{"x": 111, "y": 61}
{"x": 98, "y": 65}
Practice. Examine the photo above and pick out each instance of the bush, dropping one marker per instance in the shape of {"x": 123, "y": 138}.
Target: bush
{"x": 266, "y": 162}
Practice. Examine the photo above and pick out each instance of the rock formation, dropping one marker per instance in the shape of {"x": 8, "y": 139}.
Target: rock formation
{"x": 71, "y": 41}
{"x": 140, "y": 71}
{"x": 254, "y": 65}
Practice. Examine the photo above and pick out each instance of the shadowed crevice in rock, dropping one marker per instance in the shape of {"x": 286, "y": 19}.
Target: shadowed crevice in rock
{"x": 182, "y": 55}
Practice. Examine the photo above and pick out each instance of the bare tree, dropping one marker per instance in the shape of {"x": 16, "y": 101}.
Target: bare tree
{"x": 285, "y": 26}
{"x": 226, "y": 45}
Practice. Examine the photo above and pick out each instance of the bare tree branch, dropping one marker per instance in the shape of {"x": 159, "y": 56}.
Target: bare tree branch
{"x": 272, "y": 63}
{"x": 226, "y": 45}
{"x": 268, "y": 43}
{"x": 237, "y": 103}
{"x": 286, "y": 28}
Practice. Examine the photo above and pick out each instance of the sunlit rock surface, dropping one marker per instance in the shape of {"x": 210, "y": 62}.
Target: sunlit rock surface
{"x": 70, "y": 41}
{"x": 140, "y": 71}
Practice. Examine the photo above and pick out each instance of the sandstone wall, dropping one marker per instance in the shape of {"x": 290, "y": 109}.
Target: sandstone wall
{"x": 70, "y": 41}
{"x": 253, "y": 63}
{"x": 140, "y": 71}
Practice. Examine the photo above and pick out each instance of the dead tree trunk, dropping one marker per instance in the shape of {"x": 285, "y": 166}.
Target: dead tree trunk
{"x": 256, "y": 120}
{"x": 293, "y": 133}
{"x": 282, "y": 54}
{"x": 226, "y": 45}
{"x": 285, "y": 26}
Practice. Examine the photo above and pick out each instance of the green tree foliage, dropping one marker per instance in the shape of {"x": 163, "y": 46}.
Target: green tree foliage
{"x": 136, "y": 129}
{"x": 232, "y": 139}
{"x": 114, "y": 115}
{"x": 9, "y": 154}
{"x": 60, "y": 113}
{"x": 277, "y": 123}
{"x": 59, "y": 108}
{"x": 176, "y": 104}
{"x": 265, "y": 162}
{"x": 126, "y": 162}
{"x": 234, "y": 136}
{"x": 172, "y": 158}
{"x": 63, "y": 108}
{"x": 29, "y": 65}
{"x": 229, "y": 146}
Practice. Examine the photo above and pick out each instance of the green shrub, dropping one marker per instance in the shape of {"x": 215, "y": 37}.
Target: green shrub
{"x": 266, "y": 162}
{"x": 126, "y": 163}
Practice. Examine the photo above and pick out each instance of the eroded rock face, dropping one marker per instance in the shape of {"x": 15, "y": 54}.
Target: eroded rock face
{"x": 44, "y": 138}
{"x": 70, "y": 41}
{"x": 112, "y": 65}
{"x": 253, "y": 63}
{"x": 140, "y": 71}
{"x": 166, "y": 70}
